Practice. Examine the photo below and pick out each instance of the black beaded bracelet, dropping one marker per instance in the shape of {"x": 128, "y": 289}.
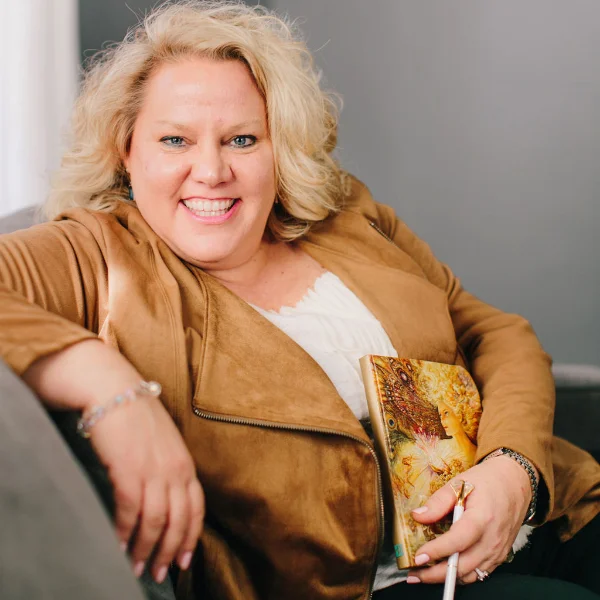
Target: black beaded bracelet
{"x": 530, "y": 472}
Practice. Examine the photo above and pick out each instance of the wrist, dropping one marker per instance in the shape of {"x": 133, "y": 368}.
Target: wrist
{"x": 80, "y": 376}
{"x": 529, "y": 470}
{"x": 94, "y": 413}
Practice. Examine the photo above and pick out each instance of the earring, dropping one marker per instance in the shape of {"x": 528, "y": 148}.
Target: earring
{"x": 130, "y": 192}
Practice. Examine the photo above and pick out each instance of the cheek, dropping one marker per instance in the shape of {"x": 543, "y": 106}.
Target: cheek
{"x": 152, "y": 169}
{"x": 163, "y": 173}
{"x": 261, "y": 173}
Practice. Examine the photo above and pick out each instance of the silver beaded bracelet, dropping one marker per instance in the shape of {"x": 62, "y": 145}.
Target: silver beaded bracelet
{"x": 93, "y": 414}
{"x": 530, "y": 472}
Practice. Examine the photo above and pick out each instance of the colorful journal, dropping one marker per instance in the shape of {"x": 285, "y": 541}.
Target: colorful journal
{"x": 424, "y": 417}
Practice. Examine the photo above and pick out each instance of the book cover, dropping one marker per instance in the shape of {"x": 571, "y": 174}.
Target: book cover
{"x": 424, "y": 417}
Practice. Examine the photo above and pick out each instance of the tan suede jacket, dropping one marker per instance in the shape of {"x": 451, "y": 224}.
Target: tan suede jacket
{"x": 294, "y": 502}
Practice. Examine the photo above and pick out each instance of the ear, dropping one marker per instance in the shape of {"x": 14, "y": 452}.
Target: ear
{"x": 125, "y": 154}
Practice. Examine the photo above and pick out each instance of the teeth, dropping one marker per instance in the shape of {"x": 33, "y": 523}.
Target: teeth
{"x": 209, "y": 208}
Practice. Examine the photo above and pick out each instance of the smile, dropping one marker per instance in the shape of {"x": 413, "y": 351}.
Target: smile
{"x": 210, "y": 208}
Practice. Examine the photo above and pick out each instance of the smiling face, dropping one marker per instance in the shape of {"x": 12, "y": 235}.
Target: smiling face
{"x": 201, "y": 161}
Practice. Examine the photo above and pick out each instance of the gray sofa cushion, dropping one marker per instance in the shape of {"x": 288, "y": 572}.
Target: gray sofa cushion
{"x": 572, "y": 375}
{"x": 57, "y": 541}
{"x": 20, "y": 219}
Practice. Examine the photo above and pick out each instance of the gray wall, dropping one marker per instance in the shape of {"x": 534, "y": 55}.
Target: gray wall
{"x": 480, "y": 123}
{"x": 107, "y": 20}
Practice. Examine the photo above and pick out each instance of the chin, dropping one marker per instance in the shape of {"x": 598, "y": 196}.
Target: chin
{"x": 207, "y": 259}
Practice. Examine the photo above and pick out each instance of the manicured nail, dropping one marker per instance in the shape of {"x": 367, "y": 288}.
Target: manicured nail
{"x": 139, "y": 568}
{"x": 123, "y": 546}
{"x": 413, "y": 579}
{"x": 185, "y": 561}
{"x": 421, "y": 559}
{"x": 162, "y": 573}
{"x": 420, "y": 510}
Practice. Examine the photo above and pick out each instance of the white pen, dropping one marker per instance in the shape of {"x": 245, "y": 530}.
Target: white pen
{"x": 462, "y": 489}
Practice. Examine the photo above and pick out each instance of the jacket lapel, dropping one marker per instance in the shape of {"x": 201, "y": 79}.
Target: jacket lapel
{"x": 252, "y": 371}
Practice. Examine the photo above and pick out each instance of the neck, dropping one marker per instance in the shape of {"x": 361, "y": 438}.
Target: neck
{"x": 254, "y": 271}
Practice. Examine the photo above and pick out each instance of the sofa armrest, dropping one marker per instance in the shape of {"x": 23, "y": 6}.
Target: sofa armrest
{"x": 21, "y": 219}
{"x": 577, "y": 416}
{"x": 56, "y": 535}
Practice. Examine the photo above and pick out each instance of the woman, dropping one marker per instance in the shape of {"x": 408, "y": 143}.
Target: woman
{"x": 208, "y": 241}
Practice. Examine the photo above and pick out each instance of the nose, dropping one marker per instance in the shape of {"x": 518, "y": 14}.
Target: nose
{"x": 210, "y": 166}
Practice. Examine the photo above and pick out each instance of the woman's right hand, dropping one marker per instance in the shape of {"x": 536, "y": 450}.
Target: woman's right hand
{"x": 158, "y": 498}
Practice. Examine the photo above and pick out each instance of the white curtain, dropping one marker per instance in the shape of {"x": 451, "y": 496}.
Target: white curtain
{"x": 39, "y": 55}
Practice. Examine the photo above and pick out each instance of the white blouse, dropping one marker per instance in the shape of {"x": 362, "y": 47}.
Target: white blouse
{"x": 334, "y": 327}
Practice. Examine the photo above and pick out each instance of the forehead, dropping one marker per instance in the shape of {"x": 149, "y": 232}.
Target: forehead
{"x": 222, "y": 87}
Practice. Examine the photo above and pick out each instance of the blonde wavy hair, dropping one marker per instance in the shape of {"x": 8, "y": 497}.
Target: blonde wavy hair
{"x": 302, "y": 118}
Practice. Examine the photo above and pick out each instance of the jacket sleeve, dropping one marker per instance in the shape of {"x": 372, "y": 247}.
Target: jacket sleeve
{"x": 48, "y": 290}
{"x": 505, "y": 358}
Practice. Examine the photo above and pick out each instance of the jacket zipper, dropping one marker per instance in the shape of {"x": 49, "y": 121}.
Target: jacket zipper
{"x": 258, "y": 423}
{"x": 382, "y": 233}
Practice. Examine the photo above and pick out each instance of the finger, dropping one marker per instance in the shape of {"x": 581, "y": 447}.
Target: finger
{"x": 437, "y": 506}
{"x": 474, "y": 558}
{"x": 196, "y": 521}
{"x": 437, "y": 573}
{"x": 174, "y": 533}
{"x": 462, "y": 535}
{"x": 128, "y": 506}
{"x": 433, "y": 574}
{"x": 469, "y": 578}
{"x": 468, "y": 561}
{"x": 152, "y": 523}
{"x": 484, "y": 568}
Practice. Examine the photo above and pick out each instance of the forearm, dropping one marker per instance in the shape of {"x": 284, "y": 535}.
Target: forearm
{"x": 84, "y": 374}
{"x": 514, "y": 378}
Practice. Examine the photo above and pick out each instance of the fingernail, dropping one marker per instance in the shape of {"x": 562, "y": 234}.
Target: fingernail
{"x": 420, "y": 510}
{"x": 185, "y": 561}
{"x": 139, "y": 568}
{"x": 421, "y": 559}
{"x": 123, "y": 546}
{"x": 413, "y": 579}
{"x": 162, "y": 573}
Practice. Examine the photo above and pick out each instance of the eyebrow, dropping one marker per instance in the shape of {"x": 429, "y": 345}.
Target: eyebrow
{"x": 242, "y": 125}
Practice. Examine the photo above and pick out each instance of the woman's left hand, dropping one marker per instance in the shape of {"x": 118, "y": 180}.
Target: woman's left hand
{"x": 494, "y": 512}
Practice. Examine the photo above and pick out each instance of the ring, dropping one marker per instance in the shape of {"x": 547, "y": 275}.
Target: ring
{"x": 482, "y": 575}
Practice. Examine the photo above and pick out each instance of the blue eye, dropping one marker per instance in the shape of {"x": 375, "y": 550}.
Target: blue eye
{"x": 173, "y": 140}
{"x": 243, "y": 141}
